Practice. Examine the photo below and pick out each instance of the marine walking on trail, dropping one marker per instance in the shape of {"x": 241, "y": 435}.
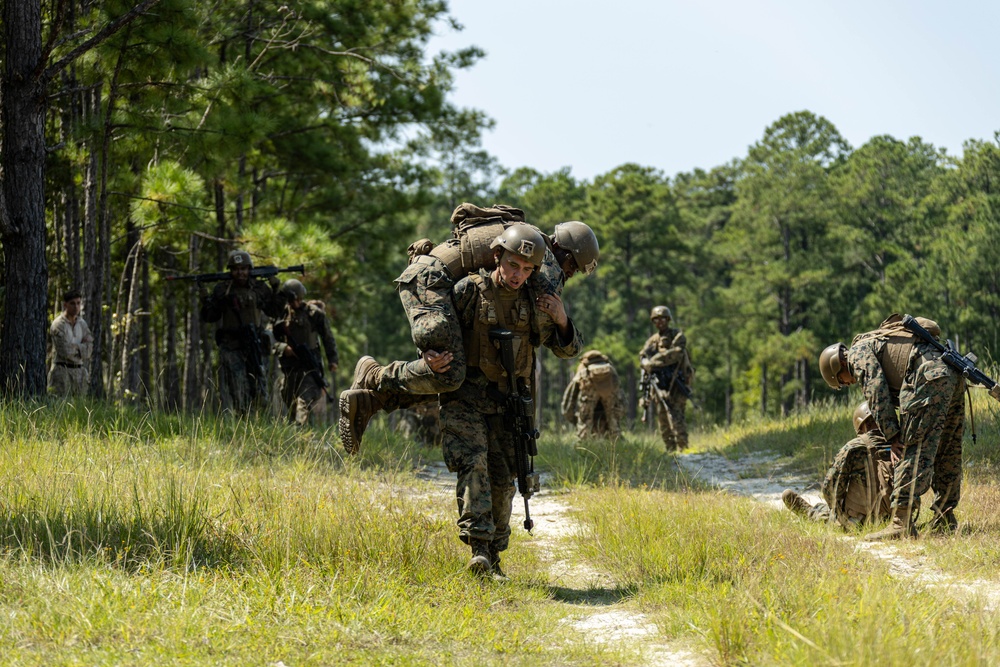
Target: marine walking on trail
{"x": 297, "y": 346}
{"x": 425, "y": 290}
{"x": 667, "y": 373}
{"x": 242, "y": 306}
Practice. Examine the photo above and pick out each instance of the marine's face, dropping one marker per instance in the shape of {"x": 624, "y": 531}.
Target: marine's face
{"x": 661, "y": 323}
{"x": 514, "y": 269}
{"x": 240, "y": 274}
{"x": 569, "y": 265}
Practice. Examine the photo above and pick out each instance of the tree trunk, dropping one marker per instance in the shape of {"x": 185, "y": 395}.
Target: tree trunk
{"x": 22, "y": 218}
{"x": 130, "y": 377}
{"x": 192, "y": 339}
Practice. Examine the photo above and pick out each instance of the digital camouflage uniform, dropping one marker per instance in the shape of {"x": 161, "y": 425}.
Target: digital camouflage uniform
{"x": 425, "y": 290}
{"x": 594, "y": 399}
{"x": 858, "y": 483}
{"x": 930, "y": 422}
{"x": 238, "y": 309}
{"x": 477, "y": 444}
{"x": 72, "y": 345}
{"x": 666, "y": 353}
{"x": 303, "y": 387}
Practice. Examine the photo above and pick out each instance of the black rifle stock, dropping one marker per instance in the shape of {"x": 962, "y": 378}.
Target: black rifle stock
{"x": 256, "y": 272}
{"x": 966, "y": 365}
{"x": 520, "y": 419}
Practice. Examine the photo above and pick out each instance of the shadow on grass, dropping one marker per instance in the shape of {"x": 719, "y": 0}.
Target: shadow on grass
{"x": 595, "y": 597}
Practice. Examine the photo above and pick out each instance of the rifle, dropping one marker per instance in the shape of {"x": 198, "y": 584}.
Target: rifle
{"x": 256, "y": 272}
{"x": 644, "y": 391}
{"x": 520, "y": 419}
{"x": 671, "y": 378}
{"x": 966, "y": 365}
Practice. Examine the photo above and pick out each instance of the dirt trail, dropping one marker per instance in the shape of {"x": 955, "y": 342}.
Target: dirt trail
{"x": 907, "y": 560}
{"x": 598, "y": 613}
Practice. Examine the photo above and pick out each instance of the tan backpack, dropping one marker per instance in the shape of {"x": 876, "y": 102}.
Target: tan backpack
{"x": 899, "y": 343}
{"x": 597, "y": 378}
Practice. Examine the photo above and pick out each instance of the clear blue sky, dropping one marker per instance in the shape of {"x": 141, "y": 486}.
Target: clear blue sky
{"x": 677, "y": 85}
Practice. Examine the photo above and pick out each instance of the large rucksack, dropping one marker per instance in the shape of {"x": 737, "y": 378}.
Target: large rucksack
{"x": 474, "y": 230}
{"x": 598, "y": 379}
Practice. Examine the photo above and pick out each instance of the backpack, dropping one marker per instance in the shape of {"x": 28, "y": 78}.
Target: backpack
{"x": 474, "y": 230}
{"x": 598, "y": 379}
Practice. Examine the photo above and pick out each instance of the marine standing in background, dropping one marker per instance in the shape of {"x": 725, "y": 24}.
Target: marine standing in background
{"x": 298, "y": 337}
{"x": 425, "y": 291}
{"x": 857, "y": 488}
{"x": 665, "y": 359}
{"x": 478, "y": 443}
{"x": 897, "y": 368}
{"x": 72, "y": 345}
{"x": 242, "y": 307}
{"x": 594, "y": 399}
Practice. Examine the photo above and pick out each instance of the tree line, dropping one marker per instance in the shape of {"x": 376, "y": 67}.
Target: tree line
{"x": 321, "y": 133}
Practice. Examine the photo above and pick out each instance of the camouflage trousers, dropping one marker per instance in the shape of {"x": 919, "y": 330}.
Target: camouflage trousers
{"x": 425, "y": 292}
{"x": 592, "y": 420}
{"x": 68, "y": 381}
{"x": 932, "y": 416}
{"x": 673, "y": 427}
{"x": 481, "y": 451}
{"x": 237, "y": 389}
{"x": 304, "y": 398}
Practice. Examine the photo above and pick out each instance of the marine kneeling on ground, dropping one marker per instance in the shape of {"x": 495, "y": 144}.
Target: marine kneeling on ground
{"x": 857, "y": 488}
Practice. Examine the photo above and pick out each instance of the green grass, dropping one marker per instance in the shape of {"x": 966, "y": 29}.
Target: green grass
{"x": 136, "y": 538}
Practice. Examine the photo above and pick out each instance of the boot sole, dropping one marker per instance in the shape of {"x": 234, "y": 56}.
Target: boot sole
{"x": 344, "y": 424}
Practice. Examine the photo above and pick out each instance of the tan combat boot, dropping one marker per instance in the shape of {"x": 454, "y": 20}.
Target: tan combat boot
{"x": 479, "y": 564}
{"x": 357, "y": 407}
{"x": 367, "y": 373}
{"x": 795, "y": 502}
{"x": 900, "y": 527}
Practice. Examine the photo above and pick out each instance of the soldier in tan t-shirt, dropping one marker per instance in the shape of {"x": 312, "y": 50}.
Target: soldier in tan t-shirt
{"x": 72, "y": 346}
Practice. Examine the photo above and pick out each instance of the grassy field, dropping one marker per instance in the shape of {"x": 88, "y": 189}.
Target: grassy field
{"x": 132, "y": 539}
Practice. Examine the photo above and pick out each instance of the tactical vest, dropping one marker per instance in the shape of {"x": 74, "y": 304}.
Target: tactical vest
{"x": 506, "y": 309}
{"x": 895, "y": 355}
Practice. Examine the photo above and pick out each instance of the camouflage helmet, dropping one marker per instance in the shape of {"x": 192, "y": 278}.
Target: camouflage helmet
{"x": 523, "y": 240}
{"x": 293, "y": 289}
{"x": 862, "y": 414}
{"x": 830, "y": 366}
{"x": 238, "y": 258}
{"x": 660, "y": 311}
{"x": 579, "y": 239}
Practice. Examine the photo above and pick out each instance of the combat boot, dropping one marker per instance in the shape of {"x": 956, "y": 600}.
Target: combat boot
{"x": 357, "y": 407}
{"x": 367, "y": 373}
{"x": 944, "y": 522}
{"x": 900, "y": 527}
{"x": 479, "y": 564}
{"x": 498, "y": 574}
{"x": 795, "y": 502}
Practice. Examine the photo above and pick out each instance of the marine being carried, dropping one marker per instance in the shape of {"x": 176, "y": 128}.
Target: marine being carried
{"x": 425, "y": 290}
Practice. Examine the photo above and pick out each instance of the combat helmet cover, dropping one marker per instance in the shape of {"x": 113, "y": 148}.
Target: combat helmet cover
{"x": 660, "y": 311}
{"x": 581, "y": 242}
{"x": 862, "y": 414}
{"x": 830, "y": 364}
{"x": 293, "y": 289}
{"x": 522, "y": 240}
{"x": 239, "y": 258}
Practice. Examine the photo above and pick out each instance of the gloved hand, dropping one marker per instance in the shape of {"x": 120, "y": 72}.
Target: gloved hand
{"x": 274, "y": 281}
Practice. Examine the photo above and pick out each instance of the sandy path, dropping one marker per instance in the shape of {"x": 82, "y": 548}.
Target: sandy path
{"x": 599, "y": 617}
